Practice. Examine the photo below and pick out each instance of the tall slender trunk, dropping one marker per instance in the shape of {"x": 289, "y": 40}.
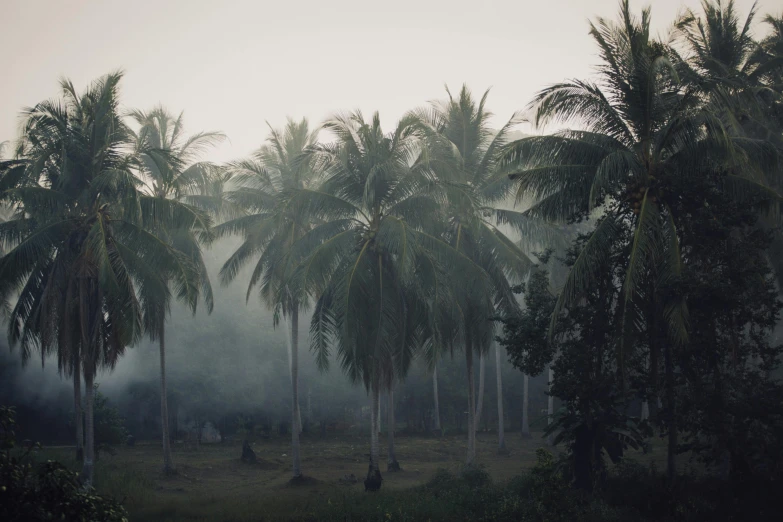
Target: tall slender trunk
{"x": 296, "y": 422}
{"x": 671, "y": 455}
{"x": 501, "y": 427}
{"x": 88, "y": 466}
{"x": 525, "y": 406}
{"x": 550, "y": 407}
{"x": 374, "y": 442}
{"x": 471, "y": 404}
{"x": 392, "y": 464}
{"x": 374, "y": 479}
{"x": 77, "y": 408}
{"x": 480, "y": 400}
{"x": 168, "y": 464}
{"x": 309, "y": 404}
{"x": 655, "y": 348}
{"x": 435, "y": 393}
{"x": 379, "y": 426}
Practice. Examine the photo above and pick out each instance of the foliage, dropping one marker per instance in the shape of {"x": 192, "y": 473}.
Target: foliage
{"x": 109, "y": 425}
{"x": 46, "y": 491}
{"x": 729, "y": 406}
{"x": 470, "y": 494}
{"x": 526, "y": 335}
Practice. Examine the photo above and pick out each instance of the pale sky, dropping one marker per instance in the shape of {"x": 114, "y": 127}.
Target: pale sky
{"x": 232, "y": 64}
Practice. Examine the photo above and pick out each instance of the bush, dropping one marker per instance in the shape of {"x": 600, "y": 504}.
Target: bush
{"x": 693, "y": 497}
{"x": 109, "y": 425}
{"x": 46, "y": 491}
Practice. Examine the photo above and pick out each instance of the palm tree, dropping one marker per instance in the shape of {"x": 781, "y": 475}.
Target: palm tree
{"x": 269, "y": 231}
{"x": 373, "y": 264}
{"x": 741, "y": 81}
{"x": 171, "y": 171}
{"x": 467, "y": 155}
{"x": 12, "y": 173}
{"x": 642, "y": 130}
{"x": 81, "y": 242}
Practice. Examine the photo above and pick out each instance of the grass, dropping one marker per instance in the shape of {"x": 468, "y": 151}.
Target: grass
{"x": 213, "y": 485}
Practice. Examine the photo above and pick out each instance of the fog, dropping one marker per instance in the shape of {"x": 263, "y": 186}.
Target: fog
{"x": 234, "y": 65}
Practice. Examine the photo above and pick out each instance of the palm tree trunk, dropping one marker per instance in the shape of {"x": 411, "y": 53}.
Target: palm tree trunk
{"x": 471, "y": 404}
{"x": 374, "y": 442}
{"x": 77, "y": 409}
{"x": 525, "y": 406}
{"x": 501, "y": 427}
{"x": 392, "y": 464}
{"x": 295, "y": 418}
{"x": 435, "y": 393}
{"x": 309, "y": 405}
{"x": 374, "y": 479}
{"x": 88, "y": 468}
{"x": 168, "y": 465}
{"x": 378, "y": 420}
{"x": 296, "y": 423}
{"x": 550, "y": 407}
{"x": 480, "y": 401}
{"x": 671, "y": 461}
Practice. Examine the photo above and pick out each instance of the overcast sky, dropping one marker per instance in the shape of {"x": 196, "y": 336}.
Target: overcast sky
{"x": 231, "y": 64}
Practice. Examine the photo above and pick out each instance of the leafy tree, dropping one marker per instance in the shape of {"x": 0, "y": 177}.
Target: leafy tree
{"x": 270, "y": 231}
{"x": 728, "y": 399}
{"x": 109, "y": 425}
{"x": 174, "y": 176}
{"x": 592, "y": 420}
{"x": 644, "y": 131}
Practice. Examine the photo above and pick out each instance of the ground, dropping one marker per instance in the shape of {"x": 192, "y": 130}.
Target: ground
{"x": 212, "y": 484}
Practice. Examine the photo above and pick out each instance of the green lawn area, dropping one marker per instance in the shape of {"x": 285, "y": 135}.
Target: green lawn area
{"x": 212, "y": 484}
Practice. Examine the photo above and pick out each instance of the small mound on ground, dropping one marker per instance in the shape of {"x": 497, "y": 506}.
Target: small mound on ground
{"x": 302, "y": 480}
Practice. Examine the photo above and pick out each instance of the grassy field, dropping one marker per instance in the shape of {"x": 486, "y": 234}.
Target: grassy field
{"x": 212, "y": 484}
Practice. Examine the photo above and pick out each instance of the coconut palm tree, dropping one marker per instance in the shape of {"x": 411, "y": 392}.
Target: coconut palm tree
{"x": 171, "y": 171}
{"x": 641, "y": 131}
{"x": 374, "y": 265}
{"x": 269, "y": 232}
{"x": 80, "y": 253}
{"x": 12, "y": 175}
{"x": 741, "y": 81}
{"x": 466, "y": 160}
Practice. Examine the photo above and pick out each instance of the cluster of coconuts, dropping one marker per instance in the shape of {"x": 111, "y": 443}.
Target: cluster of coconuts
{"x": 369, "y": 235}
{"x": 635, "y": 195}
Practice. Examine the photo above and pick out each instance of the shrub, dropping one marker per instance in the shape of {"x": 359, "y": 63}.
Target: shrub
{"x": 46, "y": 491}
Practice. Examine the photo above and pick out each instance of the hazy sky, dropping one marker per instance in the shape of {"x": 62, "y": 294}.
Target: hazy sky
{"x": 231, "y": 64}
